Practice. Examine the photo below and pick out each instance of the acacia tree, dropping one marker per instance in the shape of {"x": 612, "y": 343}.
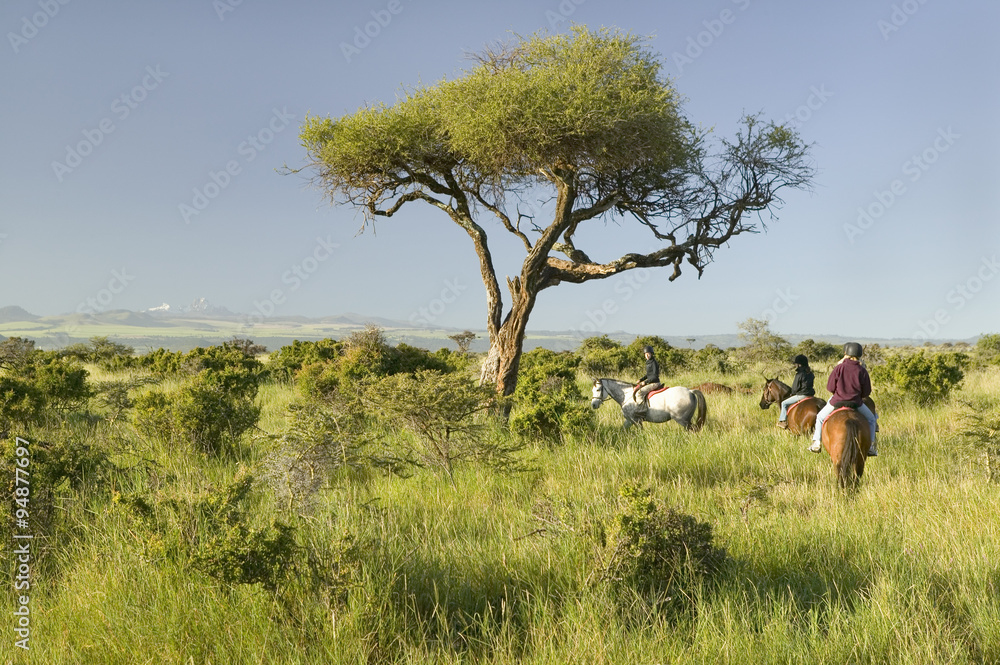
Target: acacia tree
{"x": 584, "y": 120}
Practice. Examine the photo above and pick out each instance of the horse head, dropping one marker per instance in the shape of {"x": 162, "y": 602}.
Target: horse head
{"x": 597, "y": 394}
{"x": 770, "y": 394}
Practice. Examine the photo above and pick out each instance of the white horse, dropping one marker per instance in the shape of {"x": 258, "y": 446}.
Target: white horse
{"x": 678, "y": 403}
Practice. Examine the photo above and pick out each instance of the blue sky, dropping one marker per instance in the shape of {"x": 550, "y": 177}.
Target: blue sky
{"x": 143, "y": 141}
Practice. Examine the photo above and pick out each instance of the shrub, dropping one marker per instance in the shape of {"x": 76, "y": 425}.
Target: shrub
{"x": 657, "y": 554}
{"x": 601, "y": 356}
{"x": 288, "y": 361}
{"x": 208, "y": 413}
{"x": 671, "y": 360}
{"x": 102, "y": 352}
{"x": 988, "y": 349}
{"x": 760, "y": 344}
{"x": 923, "y": 377}
{"x": 440, "y": 411}
{"x": 819, "y": 352}
{"x": 547, "y": 402}
{"x": 712, "y": 359}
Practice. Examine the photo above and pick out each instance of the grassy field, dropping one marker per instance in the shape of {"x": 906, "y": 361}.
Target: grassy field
{"x": 504, "y": 568}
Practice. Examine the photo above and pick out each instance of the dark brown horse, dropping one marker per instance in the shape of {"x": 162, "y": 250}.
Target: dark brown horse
{"x": 801, "y": 415}
{"x": 845, "y": 437}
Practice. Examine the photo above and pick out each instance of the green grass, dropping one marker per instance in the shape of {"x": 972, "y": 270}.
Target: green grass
{"x": 503, "y": 569}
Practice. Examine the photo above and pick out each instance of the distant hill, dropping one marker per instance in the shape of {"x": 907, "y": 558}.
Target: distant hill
{"x": 205, "y": 325}
{"x": 13, "y": 313}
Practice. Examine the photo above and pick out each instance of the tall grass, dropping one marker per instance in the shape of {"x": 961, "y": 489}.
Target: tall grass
{"x": 499, "y": 568}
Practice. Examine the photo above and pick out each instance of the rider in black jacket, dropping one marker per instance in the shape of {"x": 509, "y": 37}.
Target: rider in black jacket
{"x": 802, "y": 387}
{"x": 648, "y": 384}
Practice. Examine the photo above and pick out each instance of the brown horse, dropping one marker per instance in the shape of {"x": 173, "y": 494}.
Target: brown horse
{"x": 801, "y": 415}
{"x": 845, "y": 437}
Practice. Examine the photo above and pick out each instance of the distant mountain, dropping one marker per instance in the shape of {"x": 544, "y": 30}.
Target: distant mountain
{"x": 198, "y": 307}
{"x": 13, "y": 313}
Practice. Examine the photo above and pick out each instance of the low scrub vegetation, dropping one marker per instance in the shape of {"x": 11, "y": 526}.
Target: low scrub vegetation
{"x": 357, "y": 501}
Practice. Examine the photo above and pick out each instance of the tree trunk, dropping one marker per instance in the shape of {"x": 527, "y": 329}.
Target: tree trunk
{"x": 504, "y": 357}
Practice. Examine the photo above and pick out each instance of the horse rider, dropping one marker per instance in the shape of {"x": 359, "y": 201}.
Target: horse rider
{"x": 648, "y": 384}
{"x": 802, "y": 387}
{"x": 849, "y": 384}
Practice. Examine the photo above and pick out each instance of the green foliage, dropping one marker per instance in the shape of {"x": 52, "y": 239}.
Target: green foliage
{"x": 38, "y": 385}
{"x": 288, "y": 361}
{"x": 818, "y": 352}
{"x": 317, "y": 442}
{"x": 925, "y": 378}
{"x": 21, "y": 403}
{"x": 15, "y": 352}
{"x": 440, "y": 411}
{"x": 547, "y": 402}
{"x": 160, "y": 362}
{"x": 213, "y": 409}
{"x": 102, "y": 352}
{"x": 601, "y": 357}
{"x": 712, "y": 359}
{"x": 671, "y": 360}
{"x": 988, "y": 349}
{"x": 981, "y": 429}
{"x": 61, "y": 460}
{"x": 209, "y": 417}
{"x": 216, "y": 534}
{"x": 339, "y": 371}
{"x": 657, "y": 554}
{"x": 592, "y": 97}
{"x": 760, "y": 344}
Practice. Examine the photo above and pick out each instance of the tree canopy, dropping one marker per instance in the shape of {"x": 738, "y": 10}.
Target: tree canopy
{"x": 584, "y": 120}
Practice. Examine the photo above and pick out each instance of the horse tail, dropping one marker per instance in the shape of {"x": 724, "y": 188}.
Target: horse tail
{"x": 846, "y": 471}
{"x": 701, "y": 411}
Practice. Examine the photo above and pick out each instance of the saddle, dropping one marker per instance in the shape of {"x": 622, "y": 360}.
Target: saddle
{"x": 793, "y": 406}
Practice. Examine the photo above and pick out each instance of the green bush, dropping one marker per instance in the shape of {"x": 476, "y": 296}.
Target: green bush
{"x": 657, "y": 554}
{"x": 288, "y": 361}
{"x": 988, "y": 349}
{"x": 547, "y": 402}
{"x": 925, "y": 378}
{"x": 601, "y": 356}
{"x": 441, "y": 411}
{"x": 712, "y": 359}
{"x": 818, "y": 352}
{"x": 210, "y": 413}
{"x": 670, "y": 359}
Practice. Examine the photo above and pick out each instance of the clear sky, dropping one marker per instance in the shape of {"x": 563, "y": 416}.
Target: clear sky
{"x": 142, "y": 142}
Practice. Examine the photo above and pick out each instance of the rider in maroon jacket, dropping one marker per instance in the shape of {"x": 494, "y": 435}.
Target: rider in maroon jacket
{"x": 849, "y": 384}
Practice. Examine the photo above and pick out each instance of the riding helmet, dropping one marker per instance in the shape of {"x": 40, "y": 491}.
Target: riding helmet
{"x": 647, "y": 349}
{"x": 852, "y": 349}
{"x": 800, "y": 360}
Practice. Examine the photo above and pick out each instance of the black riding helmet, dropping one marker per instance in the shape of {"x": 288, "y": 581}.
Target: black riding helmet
{"x": 852, "y": 349}
{"x": 648, "y": 349}
{"x": 800, "y": 360}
